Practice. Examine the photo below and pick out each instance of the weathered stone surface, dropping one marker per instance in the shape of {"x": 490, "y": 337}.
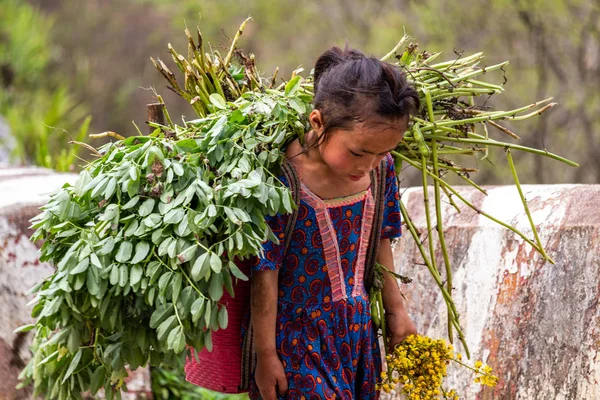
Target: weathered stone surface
{"x": 23, "y": 191}
{"x": 537, "y": 324}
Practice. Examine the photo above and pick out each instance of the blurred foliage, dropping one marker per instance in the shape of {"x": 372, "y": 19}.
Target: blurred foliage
{"x": 169, "y": 384}
{"x": 43, "y": 117}
{"x": 553, "y": 47}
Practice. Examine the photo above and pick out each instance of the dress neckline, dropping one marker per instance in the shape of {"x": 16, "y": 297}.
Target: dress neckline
{"x": 330, "y": 201}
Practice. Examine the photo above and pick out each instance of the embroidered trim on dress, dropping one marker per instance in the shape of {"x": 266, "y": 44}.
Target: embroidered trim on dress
{"x": 365, "y": 234}
{"x": 330, "y": 245}
{"x": 346, "y": 200}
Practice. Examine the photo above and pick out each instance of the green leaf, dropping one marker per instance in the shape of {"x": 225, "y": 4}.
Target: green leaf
{"x": 81, "y": 267}
{"x": 218, "y": 101}
{"x": 114, "y": 275}
{"x": 153, "y": 220}
{"x": 212, "y": 210}
{"x": 199, "y": 267}
{"x": 197, "y": 308}
{"x": 172, "y": 249}
{"x": 111, "y": 211}
{"x": 160, "y": 314}
{"x": 164, "y": 280}
{"x": 96, "y": 380}
{"x": 124, "y": 252}
{"x": 123, "y": 275}
{"x": 187, "y": 254}
{"x": 24, "y": 328}
{"x": 292, "y": 86}
{"x": 274, "y": 199}
{"x": 228, "y": 283}
{"x": 146, "y": 207}
{"x": 208, "y": 340}
{"x": 237, "y": 272}
{"x": 174, "y": 216}
{"x": 131, "y": 203}
{"x": 152, "y": 269}
{"x": 179, "y": 342}
{"x": 133, "y": 226}
{"x": 164, "y": 246}
{"x": 96, "y": 261}
{"x": 165, "y": 327}
{"x": 287, "y": 205}
{"x": 108, "y": 246}
{"x": 223, "y": 318}
{"x": 231, "y": 216}
{"x": 136, "y": 274}
{"x": 215, "y": 288}
{"x": 186, "y": 299}
{"x": 110, "y": 188}
{"x": 242, "y": 215}
{"x": 239, "y": 238}
{"x": 176, "y": 285}
{"x": 176, "y": 339}
{"x": 207, "y": 312}
{"x": 183, "y": 228}
{"x": 215, "y": 263}
{"x": 73, "y": 365}
{"x": 178, "y": 169}
{"x": 91, "y": 282}
{"x": 141, "y": 251}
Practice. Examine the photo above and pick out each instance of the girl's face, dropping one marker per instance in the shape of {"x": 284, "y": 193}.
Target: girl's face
{"x": 352, "y": 154}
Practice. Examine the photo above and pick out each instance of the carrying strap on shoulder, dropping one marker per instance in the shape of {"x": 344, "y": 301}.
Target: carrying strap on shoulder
{"x": 248, "y": 351}
{"x": 378, "y": 181}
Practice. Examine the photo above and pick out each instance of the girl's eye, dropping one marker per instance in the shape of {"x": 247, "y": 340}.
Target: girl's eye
{"x": 355, "y": 154}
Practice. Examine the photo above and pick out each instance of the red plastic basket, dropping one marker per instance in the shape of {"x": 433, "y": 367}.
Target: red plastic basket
{"x": 220, "y": 370}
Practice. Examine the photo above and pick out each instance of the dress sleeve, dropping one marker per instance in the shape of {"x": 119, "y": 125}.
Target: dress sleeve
{"x": 391, "y": 227}
{"x": 272, "y": 254}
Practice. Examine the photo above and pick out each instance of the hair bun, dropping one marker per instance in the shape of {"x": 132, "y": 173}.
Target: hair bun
{"x": 333, "y": 57}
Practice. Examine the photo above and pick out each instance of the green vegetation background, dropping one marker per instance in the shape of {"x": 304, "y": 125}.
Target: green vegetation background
{"x": 64, "y": 60}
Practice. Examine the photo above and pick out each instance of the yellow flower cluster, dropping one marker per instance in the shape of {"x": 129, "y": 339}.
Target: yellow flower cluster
{"x": 485, "y": 376}
{"x": 419, "y": 363}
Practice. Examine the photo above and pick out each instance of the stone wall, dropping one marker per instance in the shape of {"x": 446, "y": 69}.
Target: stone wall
{"x": 537, "y": 324}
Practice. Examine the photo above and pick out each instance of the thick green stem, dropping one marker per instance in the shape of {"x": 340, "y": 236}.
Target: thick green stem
{"x": 438, "y": 212}
{"x": 436, "y": 277}
{"x": 234, "y": 42}
{"x": 525, "y": 206}
{"x": 492, "y": 142}
{"x": 477, "y": 210}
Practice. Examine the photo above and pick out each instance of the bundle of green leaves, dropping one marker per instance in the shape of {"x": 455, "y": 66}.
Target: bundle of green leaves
{"x": 145, "y": 241}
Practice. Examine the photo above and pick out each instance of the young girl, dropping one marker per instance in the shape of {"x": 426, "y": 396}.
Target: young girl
{"x": 310, "y": 309}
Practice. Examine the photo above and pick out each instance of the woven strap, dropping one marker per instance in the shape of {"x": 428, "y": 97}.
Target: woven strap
{"x": 248, "y": 351}
{"x": 378, "y": 180}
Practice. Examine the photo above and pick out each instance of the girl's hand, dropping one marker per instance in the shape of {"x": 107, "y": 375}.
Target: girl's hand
{"x": 399, "y": 327}
{"x": 270, "y": 376}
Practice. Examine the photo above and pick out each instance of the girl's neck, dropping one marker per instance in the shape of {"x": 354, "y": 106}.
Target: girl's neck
{"x": 316, "y": 174}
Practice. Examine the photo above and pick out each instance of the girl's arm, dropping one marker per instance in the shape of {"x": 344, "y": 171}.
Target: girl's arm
{"x": 269, "y": 374}
{"x": 399, "y": 324}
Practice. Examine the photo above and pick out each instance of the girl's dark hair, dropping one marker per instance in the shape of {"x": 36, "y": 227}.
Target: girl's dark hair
{"x": 351, "y": 87}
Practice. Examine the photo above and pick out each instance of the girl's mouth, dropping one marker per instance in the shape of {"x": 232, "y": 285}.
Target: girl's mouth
{"x": 355, "y": 178}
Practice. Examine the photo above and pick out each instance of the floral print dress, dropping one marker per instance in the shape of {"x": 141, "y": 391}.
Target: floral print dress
{"x": 324, "y": 336}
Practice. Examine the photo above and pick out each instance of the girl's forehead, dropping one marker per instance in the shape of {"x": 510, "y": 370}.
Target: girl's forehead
{"x": 373, "y": 138}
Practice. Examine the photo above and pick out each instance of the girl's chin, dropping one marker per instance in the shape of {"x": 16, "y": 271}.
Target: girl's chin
{"x": 355, "y": 178}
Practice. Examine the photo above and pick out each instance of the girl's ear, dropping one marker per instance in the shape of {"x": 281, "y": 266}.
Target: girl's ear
{"x": 316, "y": 122}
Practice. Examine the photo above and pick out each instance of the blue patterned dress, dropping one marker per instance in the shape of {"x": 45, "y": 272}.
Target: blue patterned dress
{"x": 324, "y": 334}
